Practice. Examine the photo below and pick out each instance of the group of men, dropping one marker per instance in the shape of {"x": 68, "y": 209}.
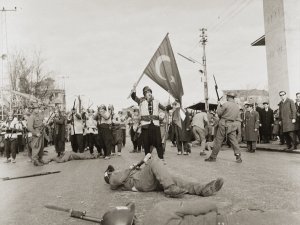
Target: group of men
{"x": 105, "y": 130}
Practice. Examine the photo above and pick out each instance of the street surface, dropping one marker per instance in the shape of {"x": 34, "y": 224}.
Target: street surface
{"x": 265, "y": 181}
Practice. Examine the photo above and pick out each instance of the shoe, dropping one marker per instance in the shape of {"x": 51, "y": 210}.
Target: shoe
{"x": 174, "y": 191}
{"x": 43, "y": 162}
{"x": 106, "y": 157}
{"x": 212, "y": 187}
{"x": 185, "y": 153}
{"x": 37, "y": 163}
{"x": 179, "y": 153}
{"x": 7, "y": 160}
{"x": 133, "y": 151}
{"x": 202, "y": 153}
{"x": 13, "y": 161}
{"x": 113, "y": 154}
{"x": 252, "y": 151}
{"x": 238, "y": 158}
{"x": 119, "y": 154}
{"x": 210, "y": 159}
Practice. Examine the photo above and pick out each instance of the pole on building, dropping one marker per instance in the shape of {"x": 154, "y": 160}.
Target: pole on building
{"x": 203, "y": 41}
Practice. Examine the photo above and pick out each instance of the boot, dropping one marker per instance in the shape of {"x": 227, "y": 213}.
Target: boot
{"x": 174, "y": 191}
{"x": 202, "y": 153}
{"x": 210, "y": 159}
{"x": 37, "y": 163}
{"x": 238, "y": 158}
{"x": 212, "y": 187}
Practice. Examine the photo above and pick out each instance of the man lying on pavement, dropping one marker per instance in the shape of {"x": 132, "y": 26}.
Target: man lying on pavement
{"x": 154, "y": 176}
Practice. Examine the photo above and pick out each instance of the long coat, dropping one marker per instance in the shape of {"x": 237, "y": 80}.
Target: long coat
{"x": 251, "y": 123}
{"x": 287, "y": 112}
{"x": 60, "y": 128}
{"x": 266, "y": 121}
{"x": 182, "y": 127}
{"x": 298, "y": 116}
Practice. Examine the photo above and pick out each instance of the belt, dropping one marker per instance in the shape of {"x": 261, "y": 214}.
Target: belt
{"x": 149, "y": 118}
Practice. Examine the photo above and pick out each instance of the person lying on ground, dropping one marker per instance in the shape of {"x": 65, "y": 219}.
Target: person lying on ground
{"x": 70, "y": 155}
{"x": 154, "y": 176}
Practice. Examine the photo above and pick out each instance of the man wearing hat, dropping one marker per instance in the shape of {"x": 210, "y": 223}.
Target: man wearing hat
{"x": 149, "y": 112}
{"x": 251, "y": 127}
{"x": 266, "y": 116}
{"x": 298, "y": 116}
{"x": 287, "y": 118}
{"x": 36, "y": 127}
{"x": 228, "y": 113}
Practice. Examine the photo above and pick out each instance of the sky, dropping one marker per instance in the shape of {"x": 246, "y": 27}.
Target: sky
{"x": 103, "y": 46}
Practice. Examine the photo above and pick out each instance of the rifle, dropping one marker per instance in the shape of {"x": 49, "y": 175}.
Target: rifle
{"x": 73, "y": 109}
{"x": 75, "y": 213}
{"x": 144, "y": 160}
{"x": 216, "y": 88}
{"x": 32, "y": 175}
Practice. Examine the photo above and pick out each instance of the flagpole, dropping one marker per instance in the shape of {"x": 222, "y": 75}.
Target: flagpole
{"x": 136, "y": 84}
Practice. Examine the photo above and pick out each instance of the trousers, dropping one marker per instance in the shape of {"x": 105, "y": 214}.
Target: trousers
{"x": 77, "y": 143}
{"x": 106, "y": 140}
{"x": 37, "y": 147}
{"x": 10, "y": 146}
{"x": 151, "y": 137}
{"x": 199, "y": 134}
{"x": 219, "y": 138}
{"x": 155, "y": 177}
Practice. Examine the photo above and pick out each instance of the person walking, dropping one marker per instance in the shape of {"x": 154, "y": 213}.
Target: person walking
{"x": 228, "y": 112}
{"x": 198, "y": 126}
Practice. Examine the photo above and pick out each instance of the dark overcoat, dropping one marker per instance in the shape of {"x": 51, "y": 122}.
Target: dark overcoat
{"x": 266, "y": 121}
{"x": 183, "y": 132}
{"x": 60, "y": 128}
{"x": 251, "y": 123}
{"x": 298, "y": 116}
{"x": 287, "y": 112}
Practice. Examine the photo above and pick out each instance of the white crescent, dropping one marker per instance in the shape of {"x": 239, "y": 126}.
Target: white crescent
{"x": 158, "y": 63}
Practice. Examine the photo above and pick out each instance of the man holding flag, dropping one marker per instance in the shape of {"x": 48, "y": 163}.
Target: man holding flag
{"x": 162, "y": 69}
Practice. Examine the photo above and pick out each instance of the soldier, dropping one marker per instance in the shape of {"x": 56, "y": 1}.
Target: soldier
{"x": 228, "y": 113}
{"x": 251, "y": 127}
{"x": 36, "y": 127}
{"x": 154, "y": 176}
{"x": 149, "y": 111}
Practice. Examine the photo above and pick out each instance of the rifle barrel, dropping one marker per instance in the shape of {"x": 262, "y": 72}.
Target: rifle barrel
{"x": 31, "y": 175}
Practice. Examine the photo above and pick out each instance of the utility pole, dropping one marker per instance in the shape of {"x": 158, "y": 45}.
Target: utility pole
{"x": 203, "y": 40}
{"x": 3, "y": 55}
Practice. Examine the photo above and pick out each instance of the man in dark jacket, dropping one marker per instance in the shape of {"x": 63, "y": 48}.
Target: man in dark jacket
{"x": 298, "y": 116}
{"x": 287, "y": 118}
{"x": 266, "y": 122}
{"x": 59, "y": 122}
{"x": 251, "y": 127}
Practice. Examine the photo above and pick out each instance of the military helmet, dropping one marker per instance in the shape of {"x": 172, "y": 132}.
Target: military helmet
{"x": 121, "y": 215}
{"x": 146, "y": 89}
{"x": 111, "y": 107}
{"x": 231, "y": 94}
{"x": 108, "y": 172}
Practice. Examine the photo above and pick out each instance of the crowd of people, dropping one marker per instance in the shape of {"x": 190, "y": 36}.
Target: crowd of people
{"x": 149, "y": 125}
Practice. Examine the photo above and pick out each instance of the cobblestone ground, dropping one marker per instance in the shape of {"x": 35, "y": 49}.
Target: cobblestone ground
{"x": 264, "y": 181}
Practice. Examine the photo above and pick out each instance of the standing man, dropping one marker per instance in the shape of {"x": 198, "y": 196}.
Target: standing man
{"x": 198, "y": 124}
{"x": 135, "y": 131}
{"x": 298, "y": 116}
{"x": 266, "y": 122}
{"x": 287, "y": 118}
{"x": 103, "y": 119}
{"x": 251, "y": 127}
{"x": 59, "y": 123}
{"x": 228, "y": 112}
{"x": 149, "y": 111}
{"x": 36, "y": 127}
{"x": 181, "y": 129}
{"x": 116, "y": 132}
{"x": 76, "y": 131}
{"x": 123, "y": 120}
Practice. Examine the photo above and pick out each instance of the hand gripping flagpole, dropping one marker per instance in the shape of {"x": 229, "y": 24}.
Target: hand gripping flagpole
{"x": 135, "y": 85}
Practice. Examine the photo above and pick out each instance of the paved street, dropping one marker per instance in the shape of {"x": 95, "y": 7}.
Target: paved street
{"x": 265, "y": 181}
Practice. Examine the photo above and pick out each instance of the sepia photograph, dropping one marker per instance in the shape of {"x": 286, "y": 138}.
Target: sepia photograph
{"x": 150, "y": 112}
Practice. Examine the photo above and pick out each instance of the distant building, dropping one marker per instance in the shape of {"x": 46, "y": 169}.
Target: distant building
{"x": 282, "y": 41}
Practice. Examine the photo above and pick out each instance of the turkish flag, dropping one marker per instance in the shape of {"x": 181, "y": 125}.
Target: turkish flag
{"x": 163, "y": 70}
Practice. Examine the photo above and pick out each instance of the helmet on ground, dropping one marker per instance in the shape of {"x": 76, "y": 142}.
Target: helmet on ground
{"x": 121, "y": 215}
